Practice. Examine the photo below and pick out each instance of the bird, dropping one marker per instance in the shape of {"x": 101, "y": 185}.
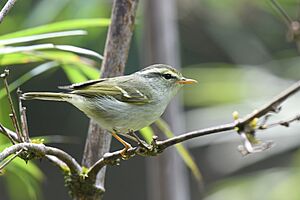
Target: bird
{"x": 122, "y": 104}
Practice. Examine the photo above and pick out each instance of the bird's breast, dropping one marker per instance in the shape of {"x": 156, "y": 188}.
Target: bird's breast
{"x": 112, "y": 114}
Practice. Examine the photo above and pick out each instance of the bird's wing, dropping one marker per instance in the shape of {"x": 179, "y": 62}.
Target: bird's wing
{"x": 108, "y": 88}
{"x": 82, "y": 85}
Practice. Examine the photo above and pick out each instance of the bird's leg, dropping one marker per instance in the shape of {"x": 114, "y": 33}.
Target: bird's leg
{"x": 140, "y": 142}
{"x": 127, "y": 135}
{"x": 126, "y": 144}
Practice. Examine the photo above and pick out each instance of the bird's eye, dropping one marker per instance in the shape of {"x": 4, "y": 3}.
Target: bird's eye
{"x": 167, "y": 76}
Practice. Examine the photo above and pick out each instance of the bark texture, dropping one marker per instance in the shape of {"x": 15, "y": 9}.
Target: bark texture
{"x": 115, "y": 57}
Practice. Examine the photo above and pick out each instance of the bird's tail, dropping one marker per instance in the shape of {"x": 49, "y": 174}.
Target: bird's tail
{"x": 49, "y": 96}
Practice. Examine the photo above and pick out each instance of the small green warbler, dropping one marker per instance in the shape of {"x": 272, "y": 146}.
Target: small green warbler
{"x": 122, "y": 104}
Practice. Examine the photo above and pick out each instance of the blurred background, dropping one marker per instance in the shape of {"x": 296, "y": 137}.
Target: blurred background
{"x": 242, "y": 52}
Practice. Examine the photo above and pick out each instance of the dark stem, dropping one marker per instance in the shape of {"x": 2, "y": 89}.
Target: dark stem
{"x": 10, "y": 137}
{"x": 23, "y": 118}
{"x": 13, "y": 115}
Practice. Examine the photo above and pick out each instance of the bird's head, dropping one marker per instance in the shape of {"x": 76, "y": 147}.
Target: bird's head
{"x": 164, "y": 78}
{"x": 165, "y": 75}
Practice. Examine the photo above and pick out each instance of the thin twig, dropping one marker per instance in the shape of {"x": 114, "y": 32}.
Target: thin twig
{"x": 75, "y": 168}
{"x": 9, "y": 133}
{"x": 23, "y": 118}
{"x": 14, "y": 122}
{"x": 272, "y": 106}
{"x": 14, "y": 115}
{"x": 10, "y": 159}
{"x": 10, "y": 137}
{"x": 42, "y": 151}
{"x": 9, "y": 4}
{"x": 285, "y": 123}
{"x": 57, "y": 162}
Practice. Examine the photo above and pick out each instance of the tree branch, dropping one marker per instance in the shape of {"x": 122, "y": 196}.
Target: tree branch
{"x": 241, "y": 125}
{"x": 13, "y": 114}
{"x": 9, "y": 133}
{"x": 40, "y": 151}
{"x": 272, "y": 106}
{"x": 115, "y": 56}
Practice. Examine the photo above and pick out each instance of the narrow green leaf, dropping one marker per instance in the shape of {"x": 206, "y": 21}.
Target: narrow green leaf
{"x": 60, "y": 56}
{"x": 7, "y": 50}
{"x": 21, "y": 180}
{"x": 147, "y": 133}
{"x": 90, "y": 71}
{"x": 60, "y": 26}
{"x": 74, "y": 74}
{"x": 42, "y": 36}
{"x": 79, "y": 50}
{"x": 183, "y": 152}
{"x": 30, "y": 168}
{"x": 70, "y": 48}
{"x": 27, "y": 76}
{"x": 18, "y": 58}
{"x": 46, "y": 55}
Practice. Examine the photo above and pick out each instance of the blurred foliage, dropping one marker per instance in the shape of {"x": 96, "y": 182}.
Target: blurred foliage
{"x": 181, "y": 149}
{"x": 214, "y": 89}
{"x": 23, "y": 180}
{"x": 271, "y": 184}
{"x": 148, "y": 133}
{"x": 73, "y": 60}
{"x": 22, "y": 177}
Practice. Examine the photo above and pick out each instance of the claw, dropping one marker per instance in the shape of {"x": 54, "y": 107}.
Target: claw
{"x": 126, "y": 146}
{"x": 124, "y": 154}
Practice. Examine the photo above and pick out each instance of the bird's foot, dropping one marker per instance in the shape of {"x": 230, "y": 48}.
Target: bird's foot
{"x": 144, "y": 145}
{"x": 124, "y": 153}
{"x": 140, "y": 142}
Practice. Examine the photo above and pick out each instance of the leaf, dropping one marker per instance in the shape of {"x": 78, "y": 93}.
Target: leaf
{"x": 79, "y": 50}
{"x": 60, "y": 56}
{"x": 147, "y": 133}
{"x": 30, "y": 167}
{"x": 45, "y": 55}
{"x": 24, "y": 180}
{"x": 27, "y": 76}
{"x": 91, "y": 72}
{"x": 183, "y": 152}
{"x": 74, "y": 74}
{"x": 60, "y": 26}
{"x": 42, "y": 36}
{"x": 18, "y": 58}
{"x": 7, "y": 50}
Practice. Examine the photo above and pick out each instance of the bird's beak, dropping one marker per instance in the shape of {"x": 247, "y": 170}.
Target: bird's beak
{"x": 187, "y": 81}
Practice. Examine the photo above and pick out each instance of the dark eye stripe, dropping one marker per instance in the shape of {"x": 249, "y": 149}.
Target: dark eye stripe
{"x": 168, "y": 76}
{"x": 157, "y": 74}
